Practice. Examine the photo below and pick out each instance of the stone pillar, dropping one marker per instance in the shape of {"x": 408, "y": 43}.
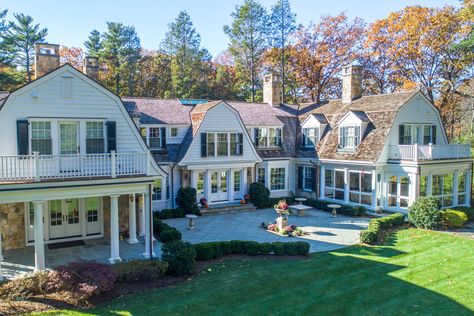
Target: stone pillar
{"x": 114, "y": 230}
{"x": 132, "y": 221}
{"x": 346, "y": 185}
{"x": 322, "y": 181}
{"x": 148, "y": 229}
{"x": 141, "y": 219}
{"x": 39, "y": 236}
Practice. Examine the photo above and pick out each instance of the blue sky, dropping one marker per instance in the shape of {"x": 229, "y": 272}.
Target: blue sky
{"x": 70, "y": 22}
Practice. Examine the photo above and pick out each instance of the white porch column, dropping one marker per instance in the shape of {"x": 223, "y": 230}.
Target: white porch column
{"x": 132, "y": 220}
{"x": 114, "y": 230}
{"x": 141, "y": 215}
{"x": 244, "y": 182}
{"x": 374, "y": 189}
{"x": 414, "y": 184}
{"x": 231, "y": 185}
{"x": 207, "y": 186}
{"x": 429, "y": 184}
{"x": 39, "y": 236}
{"x": 468, "y": 187}
{"x": 322, "y": 180}
{"x": 455, "y": 188}
{"x": 346, "y": 185}
{"x": 148, "y": 229}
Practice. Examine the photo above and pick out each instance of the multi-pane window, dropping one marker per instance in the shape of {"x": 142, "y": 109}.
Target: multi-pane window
{"x": 233, "y": 144}
{"x": 398, "y": 191}
{"x": 268, "y": 137}
{"x": 360, "y": 188}
{"x": 41, "y": 138}
{"x": 157, "y": 190}
{"x": 210, "y": 145}
{"x": 462, "y": 188}
{"x": 275, "y": 137}
{"x": 277, "y": 178}
{"x": 308, "y": 178}
{"x": 154, "y": 137}
{"x": 261, "y": 175}
{"x": 55, "y": 213}
{"x": 310, "y": 136}
{"x": 200, "y": 184}
{"x": 349, "y": 136}
{"x": 237, "y": 181}
{"x": 263, "y": 137}
{"x": 174, "y": 132}
{"x": 443, "y": 188}
{"x": 404, "y": 135}
{"x": 92, "y": 209}
{"x": 222, "y": 144}
{"x": 409, "y": 134}
{"x": 334, "y": 184}
{"x": 95, "y": 138}
{"x": 423, "y": 184}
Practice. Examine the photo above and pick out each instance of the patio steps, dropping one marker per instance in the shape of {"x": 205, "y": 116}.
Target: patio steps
{"x": 227, "y": 208}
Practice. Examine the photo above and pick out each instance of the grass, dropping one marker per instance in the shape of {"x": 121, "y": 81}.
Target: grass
{"x": 417, "y": 272}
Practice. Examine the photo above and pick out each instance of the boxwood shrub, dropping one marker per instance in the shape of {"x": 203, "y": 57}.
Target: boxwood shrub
{"x": 170, "y": 213}
{"x": 181, "y": 257}
{"x": 259, "y": 195}
{"x": 140, "y": 270}
{"x": 171, "y": 234}
{"x": 453, "y": 218}
{"x": 278, "y": 248}
{"x": 469, "y": 211}
{"x": 377, "y": 226}
{"x": 425, "y": 213}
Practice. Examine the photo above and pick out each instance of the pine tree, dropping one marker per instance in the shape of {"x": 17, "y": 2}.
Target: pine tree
{"x": 283, "y": 25}
{"x": 93, "y": 44}
{"x": 248, "y": 41}
{"x": 20, "y": 40}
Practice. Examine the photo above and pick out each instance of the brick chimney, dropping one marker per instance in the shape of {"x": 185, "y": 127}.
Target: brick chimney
{"x": 91, "y": 67}
{"x": 46, "y": 58}
{"x": 351, "y": 82}
{"x": 272, "y": 89}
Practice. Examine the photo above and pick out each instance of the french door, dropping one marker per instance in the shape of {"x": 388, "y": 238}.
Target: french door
{"x": 69, "y": 146}
{"x": 219, "y": 186}
{"x": 64, "y": 218}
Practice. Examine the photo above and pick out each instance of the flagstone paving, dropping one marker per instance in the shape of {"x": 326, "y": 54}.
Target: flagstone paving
{"x": 325, "y": 232}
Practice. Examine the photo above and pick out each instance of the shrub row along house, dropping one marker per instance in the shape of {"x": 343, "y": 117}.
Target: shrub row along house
{"x": 76, "y": 160}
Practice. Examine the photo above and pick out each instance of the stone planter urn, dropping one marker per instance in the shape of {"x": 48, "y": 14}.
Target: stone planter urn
{"x": 281, "y": 222}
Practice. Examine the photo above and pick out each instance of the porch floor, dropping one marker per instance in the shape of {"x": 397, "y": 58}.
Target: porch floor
{"x": 21, "y": 261}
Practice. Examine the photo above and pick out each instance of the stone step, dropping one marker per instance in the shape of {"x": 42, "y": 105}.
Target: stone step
{"x": 227, "y": 208}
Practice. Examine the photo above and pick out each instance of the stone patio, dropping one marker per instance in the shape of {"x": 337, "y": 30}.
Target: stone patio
{"x": 21, "y": 261}
{"x": 325, "y": 231}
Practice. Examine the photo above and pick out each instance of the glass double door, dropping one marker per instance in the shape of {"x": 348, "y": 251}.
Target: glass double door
{"x": 219, "y": 186}
{"x": 64, "y": 219}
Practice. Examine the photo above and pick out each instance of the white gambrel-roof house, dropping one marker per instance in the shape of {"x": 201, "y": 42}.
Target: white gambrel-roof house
{"x": 76, "y": 162}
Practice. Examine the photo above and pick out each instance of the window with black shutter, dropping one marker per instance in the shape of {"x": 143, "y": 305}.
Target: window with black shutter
{"x": 300, "y": 177}
{"x": 203, "y": 144}
{"x": 163, "y": 137}
{"x": 257, "y": 136}
{"x": 22, "y": 137}
{"x": 111, "y": 136}
{"x": 240, "y": 150}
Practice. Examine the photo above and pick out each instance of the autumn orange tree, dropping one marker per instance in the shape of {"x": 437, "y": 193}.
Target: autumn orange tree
{"x": 72, "y": 55}
{"x": 321, "y": 50}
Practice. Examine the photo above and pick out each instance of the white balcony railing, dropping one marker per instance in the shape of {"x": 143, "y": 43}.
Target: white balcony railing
{"x": 49, "y": 167}
{"x": 429, "y": 152}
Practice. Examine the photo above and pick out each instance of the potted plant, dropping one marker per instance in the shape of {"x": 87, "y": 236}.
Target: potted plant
{"x": 247, "y": 198}
{"x": 203, "y": 202}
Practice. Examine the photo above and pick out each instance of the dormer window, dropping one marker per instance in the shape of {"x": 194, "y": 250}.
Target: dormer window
{"x": 268, "y": 136}
{"x": 311, "y": 136}
{"x": 349, "y": 136}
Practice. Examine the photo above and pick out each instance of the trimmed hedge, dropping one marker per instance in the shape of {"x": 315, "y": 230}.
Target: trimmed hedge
{"x": 344, "y": 210}
{"x": 213, "y": 250}
{"x": 181, "y": 257}
{"x": 453, "y": 218}
{"x": 140, "y": 270}
{"x": 377, "y": 226}
{"x": 469, "y": 211}
{"x": 170, "y": 213}
{"x": 164, "y": 232}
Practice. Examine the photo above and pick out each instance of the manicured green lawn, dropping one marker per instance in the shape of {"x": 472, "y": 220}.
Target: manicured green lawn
{"x": 418, "y": 272}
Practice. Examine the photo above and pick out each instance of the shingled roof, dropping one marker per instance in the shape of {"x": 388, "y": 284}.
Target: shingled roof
{"x": 162, "y": 111}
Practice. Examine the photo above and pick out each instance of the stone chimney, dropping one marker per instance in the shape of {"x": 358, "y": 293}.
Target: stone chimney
{"x": 351, "y": 82}
{"x": 91, "y": 67}
{"x": 46, "y": 58}
{"x": 272, "y": 89}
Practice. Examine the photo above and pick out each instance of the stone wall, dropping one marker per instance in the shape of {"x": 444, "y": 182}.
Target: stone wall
{"x": 12, "y": 223}
{"x": 123, "y": 213}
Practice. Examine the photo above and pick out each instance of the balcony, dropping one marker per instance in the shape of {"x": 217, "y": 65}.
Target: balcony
{"x": 429, "y": 152}
{"x": 37, "y": 168}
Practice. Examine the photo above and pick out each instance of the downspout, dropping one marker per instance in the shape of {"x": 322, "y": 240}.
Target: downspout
{"x": 318, "y": 172}
{"x": 171, "y": 186}
{"x": 150, "y": 191}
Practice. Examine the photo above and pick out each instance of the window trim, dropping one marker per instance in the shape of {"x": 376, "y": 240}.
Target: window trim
{"x": 417, "y": 137}
{"x": 284, "y": 179}
{"x": 171, "y": 132}
{"x": 51, "y": 138}
{"x": 317, "y": 136}
{"x": 103, "y": 136}
{"x": 267, "y": 138}
{"x": 215, "y": 144}
{"x": 357, "y": 138}
{"x": 305, "y": 177}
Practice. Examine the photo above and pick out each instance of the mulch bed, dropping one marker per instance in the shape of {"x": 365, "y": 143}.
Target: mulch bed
{"x": 63, "y": 300}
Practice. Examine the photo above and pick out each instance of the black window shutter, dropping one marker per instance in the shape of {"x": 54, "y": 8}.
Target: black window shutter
{"x": 111, "y": 136}
{"x": 279, "y": 136}
{"x": 313, "y": 180}
{"x": 241, "y": 144}
{"x": 300, "y": 178}
{"x": 401, "y": 132}
{"x": 22, "y": 137}
{"x": 305, "y": 130}
{"x": 203, "y": 144}
{"x": 163, "y": 137}
{"x": 256, "y": 136}
{"x": 433, "y": 131}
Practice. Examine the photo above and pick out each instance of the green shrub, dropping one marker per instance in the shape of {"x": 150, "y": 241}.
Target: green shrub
{"x": 453, "y": 218}
{"x": 425, "y": 213}
{"x": 266, "y": 248}
{"x": 378, "y": 225}
{"x": 290, "y": 249}
{"x": 223, "y": 248}
{"x": 237, "y": 246}
{"x": 170, "y": 213}
{"x": 259, "y": 195}
{"x": 171, "y": 234}
{"x": 278, "y": 248}
{"x": 140, "y": 270}
{"x": 181, "y": 258}
{"x": 186, "y": 200}
{"x": 469, "y": 211}
{"x": 302, "y": 248}
{"x": 206, "y": 251}
{"x": 252, "y": 248}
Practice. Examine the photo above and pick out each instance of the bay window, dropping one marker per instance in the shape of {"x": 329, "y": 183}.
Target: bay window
{"x": 95, "y": 142}
{"x": 41, "y": 140}
{"x": 277, "y": 178}
{"x": 349, "y": 136}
